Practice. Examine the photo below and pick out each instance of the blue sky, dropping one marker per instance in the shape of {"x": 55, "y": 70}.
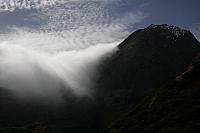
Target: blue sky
{"x": 183, "y": 13}
{"x": 99, "y": 21}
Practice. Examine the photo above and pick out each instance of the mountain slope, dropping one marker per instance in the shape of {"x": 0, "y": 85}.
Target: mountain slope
{"x": 172, "y": 108}
{"x": 145, "y": 60}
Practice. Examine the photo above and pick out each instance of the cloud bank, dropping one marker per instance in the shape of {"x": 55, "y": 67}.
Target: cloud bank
{"x": 43, "y": 73}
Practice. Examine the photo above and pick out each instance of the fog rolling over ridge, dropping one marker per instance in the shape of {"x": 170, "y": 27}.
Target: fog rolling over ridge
{"x": 34, "y": 71}
{"x": 47, "y": 46}
{"x": 99, "y": 66}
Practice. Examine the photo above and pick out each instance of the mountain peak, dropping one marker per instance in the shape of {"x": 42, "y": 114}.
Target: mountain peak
{"x": 164, "y": 35}
{"x": 175, "y": 30}
{"x": 146, "y": 59}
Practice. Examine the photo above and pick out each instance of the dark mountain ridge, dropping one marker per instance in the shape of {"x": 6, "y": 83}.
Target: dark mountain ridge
{"x": 145, "y": 60}
{"x": 155, "y": 49}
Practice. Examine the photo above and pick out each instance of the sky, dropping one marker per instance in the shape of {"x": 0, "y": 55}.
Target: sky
{"x": 98, "y": 21}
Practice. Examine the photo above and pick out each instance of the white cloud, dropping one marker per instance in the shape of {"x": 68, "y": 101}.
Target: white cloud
{"x": 79, "y": 23}
{"x": 11, "y": 5}
{"x": 41, "y": 74}
{"x": 195, "y": 28}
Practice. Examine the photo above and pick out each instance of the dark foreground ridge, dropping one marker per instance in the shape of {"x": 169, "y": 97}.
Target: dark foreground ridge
{"x": 138, "y": 91}
{"x": 172, "y": 108}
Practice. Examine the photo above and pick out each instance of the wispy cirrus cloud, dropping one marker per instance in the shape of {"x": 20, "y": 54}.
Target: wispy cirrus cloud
{"x": 77, "y": 22}
{"x": 195, "y": 28}
{"x": 12, "y": 5}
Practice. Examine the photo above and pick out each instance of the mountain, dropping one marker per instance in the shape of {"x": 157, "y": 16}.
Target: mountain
{"x": 129, "y": 96}
{"x": 172, "y": 108}
{"x": 145, "y": 60}
{"x": 141, "y": 90}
